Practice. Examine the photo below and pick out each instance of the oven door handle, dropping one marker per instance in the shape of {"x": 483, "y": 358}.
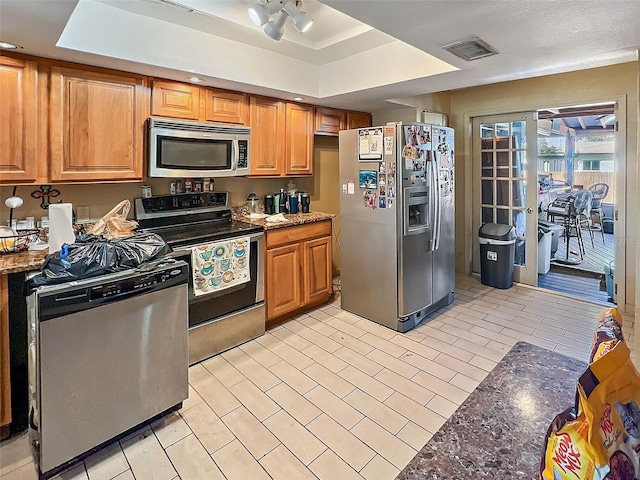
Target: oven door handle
{"x": 252, "y": 236}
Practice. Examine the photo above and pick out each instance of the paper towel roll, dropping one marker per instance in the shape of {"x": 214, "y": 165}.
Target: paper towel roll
{"x": 60, "y": 226}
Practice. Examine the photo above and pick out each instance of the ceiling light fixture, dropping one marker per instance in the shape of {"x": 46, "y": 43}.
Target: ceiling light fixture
{"x": 298, "y": 99}
{"x": 195, "y": 79}
{"x": 9, "y": 46}
{"x": 261, "y": 13}
{"x": 301, "y": 20}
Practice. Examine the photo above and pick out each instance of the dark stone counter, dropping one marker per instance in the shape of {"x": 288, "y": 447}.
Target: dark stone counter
{"x": 499, "y": 430}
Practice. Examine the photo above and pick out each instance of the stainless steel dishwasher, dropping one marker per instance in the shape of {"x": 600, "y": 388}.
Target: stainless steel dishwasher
{"x": 106, "y": 354}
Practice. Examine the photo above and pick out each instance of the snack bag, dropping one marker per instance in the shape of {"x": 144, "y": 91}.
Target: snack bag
{"x": 607, "y": 334}
{"x": 599, "y": 437}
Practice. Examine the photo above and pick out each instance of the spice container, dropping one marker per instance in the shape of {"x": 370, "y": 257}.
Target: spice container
{"x": 253, "y": 203}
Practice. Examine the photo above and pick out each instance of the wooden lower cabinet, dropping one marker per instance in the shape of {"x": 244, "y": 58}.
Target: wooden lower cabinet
{"x": 298, "y": 269}
{"x": 5, "y": 384}
{"x": 317, "y": 271}
{"x": 284, "y": 279}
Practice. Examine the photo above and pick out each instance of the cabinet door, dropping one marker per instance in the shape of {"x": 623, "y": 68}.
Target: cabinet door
{"x": 283, "y": 274}
{"x": 330, "y": 121}
{"x": 96, "y": 125}
{"x": 317, "y": 270}
{"x": 176, "y": 100}
{"x": 267, "y": 121}
{"x": 299, "y": 138}
{"x": 226, "y": 107}
{"x": 19, "y": 120}
{"x": 5, "y": 384}
{"x": 358, "y": 120}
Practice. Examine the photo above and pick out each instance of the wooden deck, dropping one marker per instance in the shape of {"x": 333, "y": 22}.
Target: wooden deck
{"x": 595, "y": 257}
{"x": 577, "y": 284}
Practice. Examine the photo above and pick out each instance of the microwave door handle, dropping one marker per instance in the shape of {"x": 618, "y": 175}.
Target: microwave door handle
{"x": 234, "y": 154}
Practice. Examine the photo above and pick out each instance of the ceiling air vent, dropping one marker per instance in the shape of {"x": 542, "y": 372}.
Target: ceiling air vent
{"x": 471, "y": 49}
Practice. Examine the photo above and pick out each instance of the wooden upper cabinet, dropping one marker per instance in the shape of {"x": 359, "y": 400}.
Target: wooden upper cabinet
{"x": 330, "y": 121}
{"x": 267, "y": 120}
{"x": 97, "y": 122}
{"x": 358, "y": 120}
{"x": 226, "y": 107}
{"x": 299, "y": 138}
{"x": 19, "y": 120}
{"x": 175, "y": 100}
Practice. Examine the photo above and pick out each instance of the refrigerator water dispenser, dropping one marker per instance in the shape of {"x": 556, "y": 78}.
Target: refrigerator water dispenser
{"x": 416, "y": 210}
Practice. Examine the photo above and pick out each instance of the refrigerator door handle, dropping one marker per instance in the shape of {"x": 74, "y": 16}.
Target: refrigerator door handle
{"x": 438, "y": 216}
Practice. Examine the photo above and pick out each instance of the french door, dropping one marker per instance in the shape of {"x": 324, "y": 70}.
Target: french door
{"x": 505, "y": 185}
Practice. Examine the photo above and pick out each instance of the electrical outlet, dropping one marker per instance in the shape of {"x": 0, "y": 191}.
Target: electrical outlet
{"x": 83, "y": 212}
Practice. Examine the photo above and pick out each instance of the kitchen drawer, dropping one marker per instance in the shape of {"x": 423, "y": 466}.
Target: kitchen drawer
{"x": 298, "y": 233}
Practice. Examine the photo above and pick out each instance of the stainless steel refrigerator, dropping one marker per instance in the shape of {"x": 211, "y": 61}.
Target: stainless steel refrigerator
{"x": 397, "y": 222}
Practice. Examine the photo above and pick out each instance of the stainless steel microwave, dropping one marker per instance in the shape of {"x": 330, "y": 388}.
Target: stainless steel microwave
{"x": 191, "y": 149}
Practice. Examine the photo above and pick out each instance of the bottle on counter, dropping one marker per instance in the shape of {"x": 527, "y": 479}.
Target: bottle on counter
{"x": 293, "y": 203}
{"x": 268, "y": 204}
{"x": 305, "y": 202}
{"x": 188, "y": 185}
{"x": 179, "y": 185}
{"x": 197, "y": 185}
{"x": 206, "y": 185}
{"x": 172, "y": 188}
{"x": 283, "y": 202}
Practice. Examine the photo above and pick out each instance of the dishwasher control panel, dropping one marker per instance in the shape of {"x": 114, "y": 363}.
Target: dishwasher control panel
{"x": 102, "y": 290}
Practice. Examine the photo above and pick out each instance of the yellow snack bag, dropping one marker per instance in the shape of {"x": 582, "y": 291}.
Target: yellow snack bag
{"x": 599, "y": 437}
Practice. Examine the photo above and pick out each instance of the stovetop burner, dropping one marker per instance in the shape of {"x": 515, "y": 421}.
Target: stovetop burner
{"x": 190, "y": 219}
{"x": 191, "y": 234}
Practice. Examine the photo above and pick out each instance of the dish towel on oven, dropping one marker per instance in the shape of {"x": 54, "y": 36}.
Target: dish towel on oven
{"x": 220, "y": 265}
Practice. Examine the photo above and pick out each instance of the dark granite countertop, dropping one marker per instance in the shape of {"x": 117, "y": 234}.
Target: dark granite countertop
{"x": 21, "y": 261}
{"x": 293, "y": 219}
{"x": 499, "y": 430}
{"x": 32, "y": 260}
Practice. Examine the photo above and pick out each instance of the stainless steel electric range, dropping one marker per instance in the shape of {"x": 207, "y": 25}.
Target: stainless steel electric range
{"x": 222, "y": 319}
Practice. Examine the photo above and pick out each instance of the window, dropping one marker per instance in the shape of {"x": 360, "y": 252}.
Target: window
{"x": 589, "y": 165}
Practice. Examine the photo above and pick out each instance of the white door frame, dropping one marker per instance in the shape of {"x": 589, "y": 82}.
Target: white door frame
{"x": 527, "y": 273}
{"x": 621, "y": 176}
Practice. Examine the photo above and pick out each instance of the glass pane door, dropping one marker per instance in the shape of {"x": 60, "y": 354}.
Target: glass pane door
{"x": 504, "y": 158}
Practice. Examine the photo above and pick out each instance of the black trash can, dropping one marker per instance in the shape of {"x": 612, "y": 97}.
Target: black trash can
{"x": 497, "y": 250}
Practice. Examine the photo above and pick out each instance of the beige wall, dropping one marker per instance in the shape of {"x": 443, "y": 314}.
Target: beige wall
{"x": 582, "y": 87}
{"x": 636, "y": 353}
{"x": 323, "y": 187}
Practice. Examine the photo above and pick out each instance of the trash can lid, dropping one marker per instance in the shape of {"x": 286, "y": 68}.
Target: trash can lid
{"x": 497, "y": 231}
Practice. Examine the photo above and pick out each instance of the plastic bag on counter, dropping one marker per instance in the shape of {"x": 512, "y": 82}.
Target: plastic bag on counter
{"x": 599, "y": 437}
{"x": 93, "y": 255}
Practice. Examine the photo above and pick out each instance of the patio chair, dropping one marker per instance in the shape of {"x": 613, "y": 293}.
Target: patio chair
{"x": 583, "y": 211}
{"x": 600, "y": 191}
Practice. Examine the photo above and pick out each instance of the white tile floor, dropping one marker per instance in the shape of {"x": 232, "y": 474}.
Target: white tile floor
{"x": 329, "y": 395}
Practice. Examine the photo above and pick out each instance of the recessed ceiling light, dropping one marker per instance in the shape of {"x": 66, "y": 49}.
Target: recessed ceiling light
{"x": 298, "y": 99}
{"x": 195, "y": 79}
{"x": 9, "y": 46}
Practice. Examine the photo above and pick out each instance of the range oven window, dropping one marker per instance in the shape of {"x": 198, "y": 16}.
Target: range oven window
{"x": 194, "y": 153}
{"x": 214, "y": 305}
